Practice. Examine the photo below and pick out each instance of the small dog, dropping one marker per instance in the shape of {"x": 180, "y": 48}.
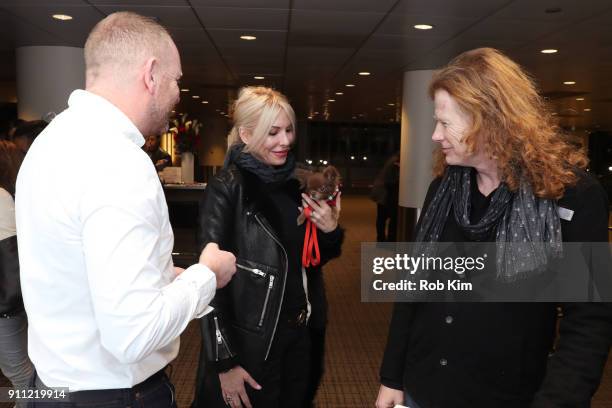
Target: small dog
{"x": 323, "y": 185}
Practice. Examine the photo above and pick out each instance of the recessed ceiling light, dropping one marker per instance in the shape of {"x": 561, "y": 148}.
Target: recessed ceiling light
{"x": 423, "y": 26}
{"x": 185, "y": 90}
{"x": 195, "y": 96}
{"x": 259, "y": 77}
{"x": 350, "y": 85}
{"x": 587, "y": 109}
{"x": 316, "y": 113}
{"x": 580, "y": 99}
{"x": 549, "y": 51}
{"x": 205, "y": 102}
{"x": 310, "y": 117}
{"x": 339, "y": 93}
{"x": 331, "y": 100}
{"x": 365, "y": 158}
{"x": 569, "y": 83}
{"x": 364, "y": 73}
{"x": 248, "y": 37}
{"x": 391, "y": 104}
{"x": 62, "y": 17}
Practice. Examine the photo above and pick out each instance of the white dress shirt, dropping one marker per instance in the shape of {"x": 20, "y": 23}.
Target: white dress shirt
{"x": 95, "y": 243}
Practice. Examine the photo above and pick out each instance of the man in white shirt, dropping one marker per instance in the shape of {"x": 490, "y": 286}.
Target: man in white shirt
{"x": 104, "y": 304}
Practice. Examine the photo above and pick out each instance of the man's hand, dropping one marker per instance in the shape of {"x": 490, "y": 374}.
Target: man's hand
{"x": 232, "y": 387}
{"x": 222, "y": 263}
{"x": 388, "y": 397}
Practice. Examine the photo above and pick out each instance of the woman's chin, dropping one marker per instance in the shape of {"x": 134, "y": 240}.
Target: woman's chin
{"x": 275, "y": 161}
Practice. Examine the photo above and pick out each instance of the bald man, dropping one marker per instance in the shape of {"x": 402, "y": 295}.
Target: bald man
{"x": 105, "y": 304}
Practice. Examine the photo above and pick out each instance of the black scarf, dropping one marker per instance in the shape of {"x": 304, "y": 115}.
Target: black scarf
{"x": 268, "y": 174}
{"x": 527, "y": 229}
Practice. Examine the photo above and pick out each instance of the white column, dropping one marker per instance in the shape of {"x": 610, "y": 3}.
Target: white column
{"x": 45, "y": 78}
{"x": 416, "y": 147}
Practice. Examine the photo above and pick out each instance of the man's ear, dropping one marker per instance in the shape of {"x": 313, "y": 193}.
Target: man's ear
{"x": 244, "y": 134}
{"x": 151, "y": 74}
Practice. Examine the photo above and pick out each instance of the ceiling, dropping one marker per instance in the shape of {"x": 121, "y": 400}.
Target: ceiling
{"x": 311, "y": 49}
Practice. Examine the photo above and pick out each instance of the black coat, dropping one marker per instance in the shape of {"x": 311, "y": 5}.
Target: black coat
{"x": 496, "y": 354}
{"x": 235, "y": 213}
{"x": 11, "y": 302}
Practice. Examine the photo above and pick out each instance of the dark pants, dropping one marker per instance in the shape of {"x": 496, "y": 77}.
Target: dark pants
{"x": 155, "y": 392}
{"x": 317, "y": 363}
{"x": 384, "y": 213}
{"x": 285, "y": 375}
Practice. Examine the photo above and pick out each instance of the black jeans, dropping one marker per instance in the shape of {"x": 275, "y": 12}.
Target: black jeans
{"x": 155, "y": 392}
{"x": 317, "y": 363}
{"x": 285, "y": 375}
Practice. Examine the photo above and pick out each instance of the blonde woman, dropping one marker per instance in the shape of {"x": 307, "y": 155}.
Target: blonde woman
{"x": 256, "y": 345}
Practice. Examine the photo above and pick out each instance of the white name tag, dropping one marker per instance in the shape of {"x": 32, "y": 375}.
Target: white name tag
{"x": 565, "y": 214}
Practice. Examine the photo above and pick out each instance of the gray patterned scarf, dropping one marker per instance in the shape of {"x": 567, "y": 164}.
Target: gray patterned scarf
{"x": 527, "y": 229}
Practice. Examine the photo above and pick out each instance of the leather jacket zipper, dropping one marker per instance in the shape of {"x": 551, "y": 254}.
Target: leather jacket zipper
{"x": 265, "y": 305}
{"x": 253, "y": 270}
{"x": 284, "y": 282}
{"x": 220, "y": 340}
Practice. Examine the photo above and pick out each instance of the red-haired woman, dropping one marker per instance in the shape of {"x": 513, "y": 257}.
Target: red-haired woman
{"x": 14, "y": 361}
{"x": 500, "y": 158}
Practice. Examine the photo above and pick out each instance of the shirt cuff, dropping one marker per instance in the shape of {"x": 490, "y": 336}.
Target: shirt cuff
{"x": 204, "y": 282}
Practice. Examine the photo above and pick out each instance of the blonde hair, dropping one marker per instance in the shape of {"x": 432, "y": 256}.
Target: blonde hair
{"x": 121, "y": 41}
{"x": 255, "y": 111}
{"x": 510, "y": 120}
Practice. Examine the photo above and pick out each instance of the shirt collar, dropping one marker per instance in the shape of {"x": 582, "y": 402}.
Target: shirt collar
{"x": 99, "y": 105}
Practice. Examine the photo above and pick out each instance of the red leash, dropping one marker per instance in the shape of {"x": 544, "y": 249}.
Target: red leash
{"x": 310, "y": 238}
{"x": 310, "y": 242}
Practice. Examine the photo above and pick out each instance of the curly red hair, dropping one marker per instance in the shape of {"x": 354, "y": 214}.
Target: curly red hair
{"x": 510, "y": 120}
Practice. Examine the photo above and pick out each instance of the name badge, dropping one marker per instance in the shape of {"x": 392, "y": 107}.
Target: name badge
{"x": 565, "y": 214}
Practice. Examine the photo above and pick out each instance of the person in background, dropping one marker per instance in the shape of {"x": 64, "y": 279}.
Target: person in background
{"x": 502, "y": 175}
{"x": 160, "y": 158}
{"x": 104, "y": 302}
{"x": 14, "y": 361}
{"x": 256, "y": 349}
{"x": 385, "y": 192}
{"x": 12, "y": 126}
{"x": 25, "y": 133}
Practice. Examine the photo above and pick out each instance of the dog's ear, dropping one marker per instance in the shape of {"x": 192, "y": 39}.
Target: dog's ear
{"x": 302, "y": 176}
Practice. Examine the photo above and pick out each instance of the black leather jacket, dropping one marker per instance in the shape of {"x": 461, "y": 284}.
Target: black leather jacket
{"x": 234, "y": 214}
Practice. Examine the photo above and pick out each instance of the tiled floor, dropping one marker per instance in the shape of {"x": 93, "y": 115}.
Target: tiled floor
{"x": 356, "y": 332}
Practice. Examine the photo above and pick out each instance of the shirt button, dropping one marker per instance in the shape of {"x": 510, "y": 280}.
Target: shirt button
{"x": 449, "y": 319}
{"x": 443, "y": 362}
